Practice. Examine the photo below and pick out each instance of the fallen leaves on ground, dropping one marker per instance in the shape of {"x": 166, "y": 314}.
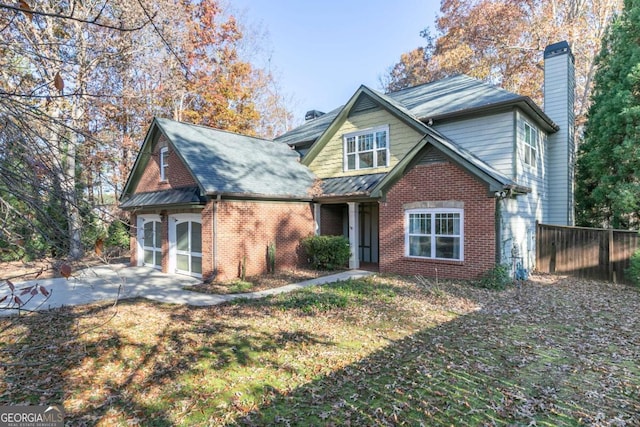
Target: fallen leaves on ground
{"x": 257, "y": 283}
{"x": 380, "y": 351}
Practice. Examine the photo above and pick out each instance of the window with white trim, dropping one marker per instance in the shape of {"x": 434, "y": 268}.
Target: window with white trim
{"x": 530, "y": 144}
{"x": 435, "y": 234}
{"x": 366, "y": 149}
{"x": 164, "y": 163}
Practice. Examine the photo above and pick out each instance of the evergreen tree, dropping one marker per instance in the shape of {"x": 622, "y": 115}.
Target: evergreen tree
{"x": 608, "y": 165}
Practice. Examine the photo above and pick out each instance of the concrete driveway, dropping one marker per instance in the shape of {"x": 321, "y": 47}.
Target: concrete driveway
{"x": 119, "y": 281}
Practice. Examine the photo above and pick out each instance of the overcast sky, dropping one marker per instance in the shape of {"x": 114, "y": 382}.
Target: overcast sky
{"x": 323, "y": 50}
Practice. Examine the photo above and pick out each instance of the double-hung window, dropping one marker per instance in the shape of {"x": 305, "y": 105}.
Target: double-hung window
{"x": 164, "y": 163}
{"x": 366, "y": 149}
{"x": 435, "y": 233}
{"x": 530, "y": 144}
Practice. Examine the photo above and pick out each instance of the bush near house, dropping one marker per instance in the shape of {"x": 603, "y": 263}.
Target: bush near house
{"x": 327, "y": 252}
{"x": 496, "y": 278}
{"x": 633, "y": 272}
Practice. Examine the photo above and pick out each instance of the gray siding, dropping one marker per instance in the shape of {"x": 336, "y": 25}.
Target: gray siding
{"x": 559, "y": 83}
{"x": 534, "y": 177}
{"x": 490, "y": 138}
{"x": 518, "y": 215}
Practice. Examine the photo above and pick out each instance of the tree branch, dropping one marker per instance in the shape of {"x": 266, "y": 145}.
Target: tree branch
{"x": 93, "y": 21}
{"x": 166, "y": 43}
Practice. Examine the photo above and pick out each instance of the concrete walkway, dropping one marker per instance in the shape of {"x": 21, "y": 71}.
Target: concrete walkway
{"x": 119, "y": 281}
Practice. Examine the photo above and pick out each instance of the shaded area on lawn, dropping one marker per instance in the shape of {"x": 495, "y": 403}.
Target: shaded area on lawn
{"x": 141, "y": 362}
{"x": 46, "y": 355}
{"x": 553, "y": 355}
{"x": 377, "y": 351}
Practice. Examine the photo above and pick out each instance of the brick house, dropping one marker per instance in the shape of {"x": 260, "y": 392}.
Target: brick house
{"x": 446, "y": 178}
{"x": 206, "y": 202}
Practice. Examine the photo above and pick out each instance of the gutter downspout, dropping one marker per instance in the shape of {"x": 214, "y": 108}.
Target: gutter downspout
{"x": 498, "y": 225}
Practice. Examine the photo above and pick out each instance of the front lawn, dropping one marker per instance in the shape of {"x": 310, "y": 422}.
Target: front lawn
{"x": 379, "y": 351}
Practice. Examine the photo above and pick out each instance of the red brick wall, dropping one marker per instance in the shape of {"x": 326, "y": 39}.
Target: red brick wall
{"x": 164, "y": 218}
{"x": 133, "y": 239}
{"x": 177, "y": 174}
{"x": 245, "y": 228}
{"x": 439, "y": 182}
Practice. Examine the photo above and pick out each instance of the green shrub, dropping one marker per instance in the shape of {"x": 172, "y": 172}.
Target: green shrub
{"x": 118, "y": 235}
{"x": 271, "y": 257}
{"x": 327, "y": 252}
{"x": 633, "y": 272}
{"x": 496, "y": 278}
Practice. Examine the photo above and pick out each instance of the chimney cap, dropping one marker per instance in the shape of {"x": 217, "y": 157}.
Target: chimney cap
{"x": 313, "y": 114}
{"x": 556, "y": 49}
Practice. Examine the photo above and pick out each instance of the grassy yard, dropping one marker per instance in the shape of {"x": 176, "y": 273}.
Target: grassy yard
{"x": 380, "y": 351}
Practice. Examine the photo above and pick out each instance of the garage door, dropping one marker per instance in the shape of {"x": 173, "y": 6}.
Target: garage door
{"x": 150, "y": 241}
{"x": 186, "y": 239}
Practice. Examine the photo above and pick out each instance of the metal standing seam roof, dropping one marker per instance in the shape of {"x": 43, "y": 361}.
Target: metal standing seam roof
{"x": 350, "y": 185}
{"x": 233, "y": 164}
{"x": 176, "y": 196}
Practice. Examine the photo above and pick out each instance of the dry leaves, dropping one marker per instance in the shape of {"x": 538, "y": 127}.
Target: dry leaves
{"x": 387, "y": 351}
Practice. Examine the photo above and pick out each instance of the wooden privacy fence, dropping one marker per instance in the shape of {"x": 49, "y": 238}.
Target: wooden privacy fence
{"x": 592, "y": 253}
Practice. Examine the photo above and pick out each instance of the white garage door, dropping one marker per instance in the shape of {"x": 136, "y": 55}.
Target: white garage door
{"x": 185, "y": 242}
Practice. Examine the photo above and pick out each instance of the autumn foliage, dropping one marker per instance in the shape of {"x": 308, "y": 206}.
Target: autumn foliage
{"x": 79, "y": 83}
{"x": 502, "y": 42}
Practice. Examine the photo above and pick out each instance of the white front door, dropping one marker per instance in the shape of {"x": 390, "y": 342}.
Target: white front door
{"x": 150, "y": 241}
{"x": 185, "y": 244}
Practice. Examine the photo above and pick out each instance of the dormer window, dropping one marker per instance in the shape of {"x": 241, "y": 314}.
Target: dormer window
{"x": 366, "y": 149}
{"x": 164, "y": 163}
{"x": 530, "y": 144}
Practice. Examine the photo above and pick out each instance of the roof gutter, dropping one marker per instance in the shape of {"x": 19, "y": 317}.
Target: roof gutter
{"x": 254, "y": 196}
{"x": 168, "y": 206}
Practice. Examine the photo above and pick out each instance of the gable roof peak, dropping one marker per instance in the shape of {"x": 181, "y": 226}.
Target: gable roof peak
{"x": 228, "y": 163}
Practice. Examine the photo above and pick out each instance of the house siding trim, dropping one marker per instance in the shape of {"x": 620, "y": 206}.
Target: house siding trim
{"x": 342, "y": 116}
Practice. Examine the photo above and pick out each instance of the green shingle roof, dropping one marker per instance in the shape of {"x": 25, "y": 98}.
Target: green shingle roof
{"x": 451, "y": 95}
{"x": 310, "y": 130}
{"x": 447, "y": 97}
{"x": 232, "y": 164}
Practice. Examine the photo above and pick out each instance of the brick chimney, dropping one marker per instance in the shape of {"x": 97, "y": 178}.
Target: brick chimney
{"x": 559, "y": 96}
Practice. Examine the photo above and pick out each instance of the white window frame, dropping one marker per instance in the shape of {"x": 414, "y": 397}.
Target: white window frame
{"x": 432, "y": 233}
{"x": 355, "y": 136}
{"x": 530, "y": 144}
{"x": 164, "y": 163}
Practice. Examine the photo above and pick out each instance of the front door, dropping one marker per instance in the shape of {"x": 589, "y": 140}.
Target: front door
{"x": 368, "y": 239}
